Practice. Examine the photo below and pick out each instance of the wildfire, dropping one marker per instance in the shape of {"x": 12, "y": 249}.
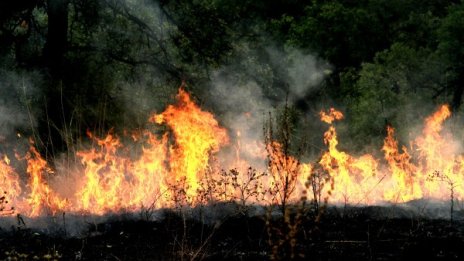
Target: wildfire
{"x": 331, "y": 116}
{"x": 9, "y": 185}
{"x": 41, "y": 198}
{"x": 345, "y": 171}
{"x": 403, "y": 171}
{"x": 197, "y": 134}
{"x": 175, "y": 163}
{"x": 104, "y": 176}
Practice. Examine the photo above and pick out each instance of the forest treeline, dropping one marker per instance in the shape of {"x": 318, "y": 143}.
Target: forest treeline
{"x": 385, "y": 61}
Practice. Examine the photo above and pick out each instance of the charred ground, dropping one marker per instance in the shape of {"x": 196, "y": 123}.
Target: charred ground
{"x": 340, "y": 233}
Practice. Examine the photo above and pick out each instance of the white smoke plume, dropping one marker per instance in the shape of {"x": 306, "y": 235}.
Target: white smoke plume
{"x": 257, "y": 83}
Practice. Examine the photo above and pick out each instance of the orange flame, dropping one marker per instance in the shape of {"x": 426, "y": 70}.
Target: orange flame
{"x": 284, "y": 170}
{"x": 114, "y": 182}
{"x": 163, "y": 169}
{"x": 404, "y": 187}
{"x": 197, "y": 134}
{"x": 41, "y": 198}
{"x": 104, "y": 175}
{"x": 345, "y": 171}
{"x": 438, "y": 153}
{"x": 9, "y": 185}
{"x": 330, "y": 116}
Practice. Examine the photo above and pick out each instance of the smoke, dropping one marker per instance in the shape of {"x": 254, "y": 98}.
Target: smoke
{"x": 301, "y": 73}
{"x": 148, "y": 87}
{"x": 257, "y": 78}
{"x": 279, "y": 73}
{"x": 19, "y": 101}
{"x": 141, "y": 98}
{"x": 257, "y": 82}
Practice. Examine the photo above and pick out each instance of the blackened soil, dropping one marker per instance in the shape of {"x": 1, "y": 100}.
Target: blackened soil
{"x": 354, "y": 234}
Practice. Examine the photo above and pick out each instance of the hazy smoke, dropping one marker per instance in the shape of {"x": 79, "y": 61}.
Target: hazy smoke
{"x": 260, "y": 81}
{"x": 301, "y": 73}
{"x": 256, "y": 83}
{"x": 19, "y": 99}
{"x": 148, "y": 88}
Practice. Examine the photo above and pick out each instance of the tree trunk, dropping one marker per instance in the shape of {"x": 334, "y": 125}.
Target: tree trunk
{"x": 55, "y": 46}
{"x": 458, "y": 86}
{"x": 54, "y": 59}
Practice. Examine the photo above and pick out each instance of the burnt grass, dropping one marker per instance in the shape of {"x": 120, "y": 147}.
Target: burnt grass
{"x": 341, "y": 233}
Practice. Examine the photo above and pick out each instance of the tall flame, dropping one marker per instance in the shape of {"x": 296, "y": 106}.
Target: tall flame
{"x": 346, "y": 172}
{"x": 41, "y": 198}
{"x": 197, "y": 134}
{"x": 403, "y": 171}
{"x": 104, "y": 171}
{"x": 439, "y": 154}
{"x": 173, "y": 162}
